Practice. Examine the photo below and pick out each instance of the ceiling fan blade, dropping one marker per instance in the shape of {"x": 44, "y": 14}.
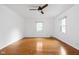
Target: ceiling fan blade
{"x": 42, "y": 12}
{"x": 44, "y": 6}
{"x": 33, "y": 9}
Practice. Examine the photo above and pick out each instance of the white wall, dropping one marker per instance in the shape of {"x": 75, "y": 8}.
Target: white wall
{"x": 72, "y": 31}
{"x": 30, "y": 27}
{"x": 11, "y": 26}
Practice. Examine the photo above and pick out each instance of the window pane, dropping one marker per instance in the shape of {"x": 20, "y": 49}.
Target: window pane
{"x": 63, "y": 29}
{"x": 39, "y": 26}
{"x": 63, "y": 22}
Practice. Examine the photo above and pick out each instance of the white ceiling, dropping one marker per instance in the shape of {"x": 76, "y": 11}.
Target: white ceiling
{"x": 51, "y": 10}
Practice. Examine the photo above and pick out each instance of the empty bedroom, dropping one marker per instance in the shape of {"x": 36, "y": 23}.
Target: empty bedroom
{"x": 39, "y": 29}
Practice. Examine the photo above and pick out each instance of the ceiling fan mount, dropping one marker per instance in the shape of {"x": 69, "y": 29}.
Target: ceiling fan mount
{"x": 40, "y": 8}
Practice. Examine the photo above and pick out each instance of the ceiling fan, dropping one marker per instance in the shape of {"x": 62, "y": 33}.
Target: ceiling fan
{"x": 40, "y": 8}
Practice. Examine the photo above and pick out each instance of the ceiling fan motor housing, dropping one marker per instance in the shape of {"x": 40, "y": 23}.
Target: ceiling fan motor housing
{"x": 39, "y": 8}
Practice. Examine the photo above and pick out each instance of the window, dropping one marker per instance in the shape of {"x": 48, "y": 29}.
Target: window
{"x": 39, "y": 26}
{"x": 63, "y": 25}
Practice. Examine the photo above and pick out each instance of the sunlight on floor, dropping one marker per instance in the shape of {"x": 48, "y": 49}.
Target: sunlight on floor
{"x": 39, "y": 46}
{"x": 63, "y": 51}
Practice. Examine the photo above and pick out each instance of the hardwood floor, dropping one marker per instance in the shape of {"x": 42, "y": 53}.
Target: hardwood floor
{"x": 39, "y": 46}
